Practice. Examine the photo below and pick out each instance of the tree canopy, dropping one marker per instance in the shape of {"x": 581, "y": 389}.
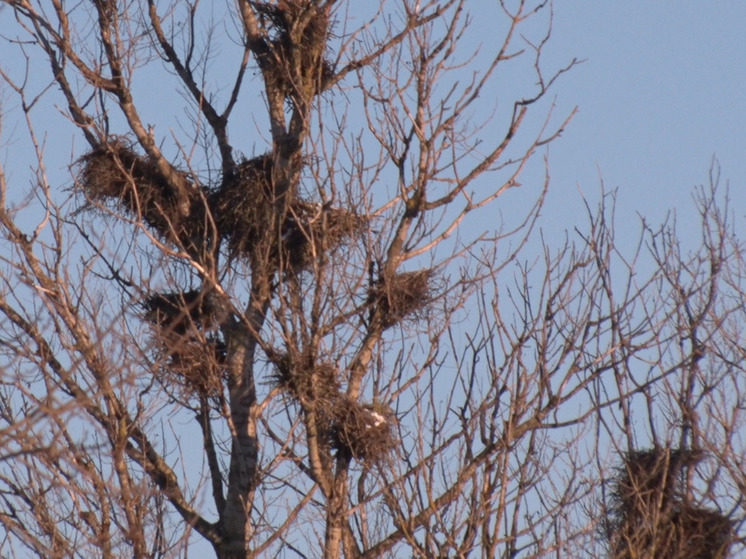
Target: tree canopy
{"x": 289, "y": 298}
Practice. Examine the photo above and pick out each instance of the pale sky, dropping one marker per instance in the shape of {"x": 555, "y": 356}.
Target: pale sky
{"x": 661, "y": 92}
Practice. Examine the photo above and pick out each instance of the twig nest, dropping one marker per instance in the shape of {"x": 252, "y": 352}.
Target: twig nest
{"x": 399, "y": 296}
{"x": 114, "y": 172}
{"x": 298, "y": 32}
{"x": 364, "y": 431}
{"x": 650, "y": 510}
{"x": 181, "y": 311}
{"x": 311, "y": 229}
{"x": 197, "y": 365}
{"x": 287, "y": 235}
{"x": 180, "y": 322}
{"x": 701, "y": 533}
{"x": 243, "y": 206}
{"x": 647, "y": 474}
{"x": 312, "y": 384}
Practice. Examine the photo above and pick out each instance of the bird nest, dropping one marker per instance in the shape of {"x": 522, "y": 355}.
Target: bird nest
{"x": 115, "y": 173}
{"x": 180, "y": 321}
{"x": 181, "y": 312}
{"x": 363, "y": 431}
{"x": 648, "y": 474}
{"x": 289, "y": 235}
{"x": 310, "y": 383}
{"x": 310, "y": 230}
{"x": 298, "y": 32}
{"x": 649, "y": 510}
{"x": 196, "y": 364}
{"x": 399, "y": 296}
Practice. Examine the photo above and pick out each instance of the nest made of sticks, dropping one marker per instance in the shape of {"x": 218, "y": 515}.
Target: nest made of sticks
{"x": 401, "y": 295}
{"x": 652, "y": 475}
{"x": 649, "y": 510}
{"x": 114, "y": 172}
{"x": 304, "y": 380}
{"x": 298, "y": 34}
{"x": 700, "y": 533}
{"x": 685, "y": 532}
{"x": 311, "y": 229}
{"x": 247, "y": 215}
{"x": 244, "y": 204}
{"x": 363, "y": 431}
{"x": 182, "y": 322}
{"x": 182, "y": 312}
{"x": 197, "y": 364}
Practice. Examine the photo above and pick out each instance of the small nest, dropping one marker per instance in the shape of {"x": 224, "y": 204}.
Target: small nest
{"x": 114, "y": 172}
{"x": 400, "y": 296}
{"x": 243, "y": 207}
{"x": 651, "y": 475}
{"x": 700, "y": 534}
{"x": 310, "y": 230}
{"x": 649, "y": 510}
{"x": 363, "y": 431}
{"x": 308, "y": 383}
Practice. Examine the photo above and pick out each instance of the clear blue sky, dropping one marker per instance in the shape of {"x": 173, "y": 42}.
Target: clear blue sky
{"x": 662, "y": 90}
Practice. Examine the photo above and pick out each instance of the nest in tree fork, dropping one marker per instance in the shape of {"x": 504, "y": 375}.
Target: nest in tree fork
{"x": 400, "y": 295}
{"x": 196, "y": 364}
{"x": 181, "y": 321}
{"x": 650, "y": 510}
{"x": 298, "y": 34}
{"x": 364, "y": 431}
{"x": 115, "y": 172}
{"x": 290, "y": 234}
{"x": 310, "y": 383}
{"x": 180, "y": 312}
{"x": 311, "y": 229}
{"x": 243, "y": 207}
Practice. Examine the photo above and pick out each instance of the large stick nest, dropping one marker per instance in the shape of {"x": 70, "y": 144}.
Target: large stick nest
{"x": 649, "y": 510}
{"x": 188, "y": 351}
{"x": 197, "y": 364}
{"x": 363, "y": 431}
{"x": 399, "y": 296}
{"x": 115, "y": 173}
{"x": 180, "y": 312}
{"x": 310, "y": 383}
{"x": 256, "y": 225}
{"x": 298, "y": 33}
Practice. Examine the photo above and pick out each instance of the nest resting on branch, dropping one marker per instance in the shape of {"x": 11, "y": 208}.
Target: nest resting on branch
{"x": 363, "y": 431}
{"x": 298, "y": 34}
{"x": 180, "y": 311}
{"x": 401, "y": 295}
{"x": 196, "y": 364}
{"x": 649, "y": 510}
{"x": 307, "y": 382}
{"x": 180, "y": 323}
{"x": 256, "y": 225}
{"x": 115, "y": 172}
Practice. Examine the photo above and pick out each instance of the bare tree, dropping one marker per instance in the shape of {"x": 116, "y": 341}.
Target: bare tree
{"x": 314, "y": 349}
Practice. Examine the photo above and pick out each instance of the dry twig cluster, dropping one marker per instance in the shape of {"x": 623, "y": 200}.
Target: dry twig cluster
{"x": 401, "y": 295}
{"x": 115, "y": 172}
{"x": 650, "y": 511}
{"x": 360, "y": 431}
{"x": 190, "y": 351}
